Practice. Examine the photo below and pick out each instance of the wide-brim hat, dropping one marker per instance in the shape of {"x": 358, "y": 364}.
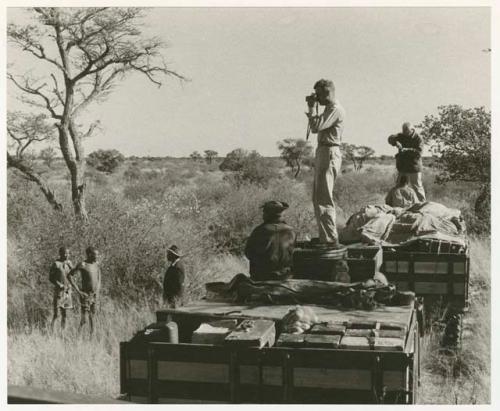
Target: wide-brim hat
{"x": 274, "y": 207}
{"x": 173, "y": 249}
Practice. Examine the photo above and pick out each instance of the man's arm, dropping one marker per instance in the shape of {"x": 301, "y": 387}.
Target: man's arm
{"x": 72, "y": 280}
{"x": 53, "y": 276}
{"x": 322, "y": 122}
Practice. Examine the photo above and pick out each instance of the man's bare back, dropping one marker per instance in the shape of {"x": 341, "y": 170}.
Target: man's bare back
{"x": 90, "y": 274}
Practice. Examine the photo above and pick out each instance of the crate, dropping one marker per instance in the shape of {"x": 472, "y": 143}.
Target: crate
{"x": 202, "y": 373}
{"x": 429, "y": 275}
{"x": 193, "y": 373}
{"x": 363, "y": 261}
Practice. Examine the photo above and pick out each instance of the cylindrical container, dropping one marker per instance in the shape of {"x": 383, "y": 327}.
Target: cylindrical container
{"x": 317, "y": 261}
{"x": 170, "y": 332}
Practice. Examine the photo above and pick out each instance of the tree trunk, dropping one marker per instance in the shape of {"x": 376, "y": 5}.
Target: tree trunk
{"x": 31, "y": 175}
{"x": 298, "y": 169}
{"x": 76, "y": 167}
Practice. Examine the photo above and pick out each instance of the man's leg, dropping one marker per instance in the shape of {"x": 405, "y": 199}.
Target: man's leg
{"x": 328, "y": 165}
{"x": 55, "y": 306}
{"x": 415, "y": 182}
{"x": 63, "y": 318}
{"x": 83, "y": 319}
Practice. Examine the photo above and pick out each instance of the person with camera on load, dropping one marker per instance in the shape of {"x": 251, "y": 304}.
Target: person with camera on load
{"x": 409, "y": 158}
{"x": 329, "y": 126}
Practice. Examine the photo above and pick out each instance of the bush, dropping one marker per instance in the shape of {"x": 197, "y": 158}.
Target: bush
{"x": 105, "y": 160}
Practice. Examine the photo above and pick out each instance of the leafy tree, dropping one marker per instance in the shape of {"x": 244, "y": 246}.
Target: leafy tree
{"x": 294, "y": 152}
{"x": 357, "y": 154}
{"x": 195, "y": 156}
{"x": 461, "y": 141}
{"x": 105, "y": 160}
{"x": 88, "y": 50}
{"x": 210, "y": 155}
{"x": 248, "y": 167}
{"x": 48, "y": 155}
{"x": 24, "y": 131}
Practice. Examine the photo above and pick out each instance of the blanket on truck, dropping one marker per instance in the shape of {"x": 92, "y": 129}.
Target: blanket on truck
{"x": 362, "y": 295}
{"x": 392, "y": 226}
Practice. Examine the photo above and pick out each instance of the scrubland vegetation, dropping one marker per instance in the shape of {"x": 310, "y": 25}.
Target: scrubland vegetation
{"x": 137, "y": 211}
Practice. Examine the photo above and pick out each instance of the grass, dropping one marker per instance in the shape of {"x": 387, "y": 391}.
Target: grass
{"x": 135, "y": 216}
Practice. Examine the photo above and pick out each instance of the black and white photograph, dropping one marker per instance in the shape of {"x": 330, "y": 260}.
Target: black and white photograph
{"x": 258, "y": 204}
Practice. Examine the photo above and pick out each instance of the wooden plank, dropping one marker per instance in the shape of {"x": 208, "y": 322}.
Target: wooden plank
{"x": 138, "y": 369}
{"x": 425, "y": 287}
{"x": 290, "y": 340}
{"x": 214, "y": 332}
{"x": 322, "y": 341}
{"x": 355, "y": 343}
{"x": 395, "y": 380}
{"x": 388, "y": 344}
{"x": 430, "y": 267}
{"x": 249, "y": 374}
{"x": 459, "y": 268}
{"x": 17, "y": 394}
{"x": 193, "y": 372}
{"x": 359, "y": 332}
{"x": 332, "y": 378}
{"x": 328, "y": 329}
{"x": 255, "y": 333}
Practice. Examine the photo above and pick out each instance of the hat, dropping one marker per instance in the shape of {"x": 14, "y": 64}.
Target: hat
{"x": 274, "y": 207}
{"x": 174, "y": 250}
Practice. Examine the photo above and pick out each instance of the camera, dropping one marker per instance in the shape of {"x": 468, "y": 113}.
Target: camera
{"x": 311, "y": 99}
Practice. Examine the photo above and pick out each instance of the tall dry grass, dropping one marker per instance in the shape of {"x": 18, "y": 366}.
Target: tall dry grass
{"x": 134, "y": 216}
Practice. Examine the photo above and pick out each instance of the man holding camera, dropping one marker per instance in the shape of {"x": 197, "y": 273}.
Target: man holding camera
{"x": 329, "y": 127}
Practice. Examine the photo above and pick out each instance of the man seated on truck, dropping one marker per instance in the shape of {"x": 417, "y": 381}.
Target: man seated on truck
{"x": 270, "y": 246}
{"x": 402, "y": 195}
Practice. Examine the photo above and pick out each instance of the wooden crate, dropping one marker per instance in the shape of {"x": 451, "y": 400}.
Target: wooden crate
{"x": 193, "y": 373}
{"x": 363, "y": 261}
{"x": 428, "y": 274}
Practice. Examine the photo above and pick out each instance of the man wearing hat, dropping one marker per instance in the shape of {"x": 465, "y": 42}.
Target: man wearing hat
{"x": 173, "y": 283}
{"x": 270, "y": 246}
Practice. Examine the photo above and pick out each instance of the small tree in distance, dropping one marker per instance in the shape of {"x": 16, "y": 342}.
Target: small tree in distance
{"x": 294, "y": 152}
{"x": 210, "y": 155}
{"x": 357, "y": 154}
{"x": 48, "y": 155}
{"x": 195, "y": 156}
{"x": 106, "y": 161}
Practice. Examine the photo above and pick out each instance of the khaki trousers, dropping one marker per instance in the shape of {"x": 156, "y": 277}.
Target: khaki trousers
{"x": 327, "y": 167}
{"x": 415, "y": 182}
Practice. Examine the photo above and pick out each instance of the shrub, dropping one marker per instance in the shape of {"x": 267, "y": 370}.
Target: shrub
{"x": 105, "y": 160}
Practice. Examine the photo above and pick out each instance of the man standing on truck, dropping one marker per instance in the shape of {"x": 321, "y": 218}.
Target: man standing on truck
{"x": 409, "y": 158}
{"x": 90, "y": 274}
{"x": 62, "y": 290}
{"x": 270, "y": 246}
{"x": 329, "y": 127}
{"x": 173, "y": 283}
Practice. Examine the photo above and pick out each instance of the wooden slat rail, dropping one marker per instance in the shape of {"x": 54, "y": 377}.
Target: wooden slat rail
{"x": 31, "y": 395}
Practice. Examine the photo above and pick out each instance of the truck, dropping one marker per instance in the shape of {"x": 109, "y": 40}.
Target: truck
{"x": 229, "y": 352}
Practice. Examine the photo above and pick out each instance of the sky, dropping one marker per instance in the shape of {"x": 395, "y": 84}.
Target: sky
{"x": 251, "y": 68}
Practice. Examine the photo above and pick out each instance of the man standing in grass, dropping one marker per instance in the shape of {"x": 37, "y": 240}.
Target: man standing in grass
{"x": 329, "y": 127}
{"x": 90, "y": 274}
{"x": 58, "y": 273}
{"x": 173, "y": 283}
{"x": 409, "y": 158}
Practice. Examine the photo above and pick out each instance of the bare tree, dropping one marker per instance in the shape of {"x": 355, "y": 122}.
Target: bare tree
{"x": 93, "y": 49}
{"x": 25, "y": 130}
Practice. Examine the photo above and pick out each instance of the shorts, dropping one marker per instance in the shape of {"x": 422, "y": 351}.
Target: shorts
{"x": 62, "y": 299}
{"x": 88, "y": 302}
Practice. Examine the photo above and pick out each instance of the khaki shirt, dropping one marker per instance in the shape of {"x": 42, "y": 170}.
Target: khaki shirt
{"x": 329, "y": 125}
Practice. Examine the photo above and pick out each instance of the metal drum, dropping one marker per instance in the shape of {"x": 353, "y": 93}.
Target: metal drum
{"x": 315, "y": 261}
